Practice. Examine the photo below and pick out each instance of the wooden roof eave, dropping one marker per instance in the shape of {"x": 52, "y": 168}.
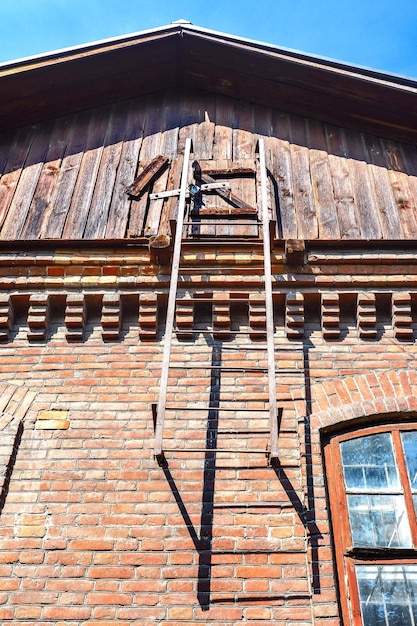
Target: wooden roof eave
{"x": 60, "y": 83}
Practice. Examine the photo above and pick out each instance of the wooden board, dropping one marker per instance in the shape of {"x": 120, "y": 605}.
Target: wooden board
{"x": 328, "y": 225}
{"x": 121, "y": 202}
{"x": 22, "y": 198}
{"x": 87, "y": 174}
{"x": 13, "y": 168}
{"x": 303, "y": 193}
{"x": 41, "y": 202}
{"x": 100, "y": 203}
{"x": 344, "y": 198}
{"x": 54, "y": 218}
{"x": 366, "y": 208}
{"x": 68, "y": 178}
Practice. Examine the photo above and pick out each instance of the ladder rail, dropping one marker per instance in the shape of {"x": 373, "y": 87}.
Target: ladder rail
{"x": 160, "y": 414}
{"x": 269, "y": 307}
{"x": 172, "y": 297}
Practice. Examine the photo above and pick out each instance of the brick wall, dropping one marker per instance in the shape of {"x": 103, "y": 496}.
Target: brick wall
{"x": 94, "y": 532}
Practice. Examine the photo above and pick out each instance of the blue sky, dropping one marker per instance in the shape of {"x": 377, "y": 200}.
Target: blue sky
{"x": 381, "y": 34}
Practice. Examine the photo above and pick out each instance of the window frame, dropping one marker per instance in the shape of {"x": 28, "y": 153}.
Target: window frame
{"x": 347, "y": 556}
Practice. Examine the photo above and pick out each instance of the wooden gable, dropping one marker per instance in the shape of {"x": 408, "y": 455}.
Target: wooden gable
{"x": 80, "y": 125}
{"x": 68, "y": 178}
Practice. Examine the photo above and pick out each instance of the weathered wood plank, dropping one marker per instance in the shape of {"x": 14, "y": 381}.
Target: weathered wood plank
{"x": 385, "y": 204}
{"x": 203, "y": 148}
{"x": 147, "y": 175}
{"x": 344, "y": 198}
{"x": 7, "y": 140}
{"x": 405, "y": 201}
{"x": 410, "y": 155}
{"x": 227, "y": 211}
{"x": 336, "y": 142}
{"x": 19, "y": 206}
{"x": 121, "y": 202}
{"x": 303, "y": 193}
{"x": 192, "y": 114}
{"x": 394, "y": 155}
{"x": 100, "y": 203}
{"x": 280, "y": 125}
{"x": 55, "y": 215}
{"x": 40, "y": 206}
{"x": 87, "y": 175}
{"x": 262, "y": 120}
{"x": 223, "y": 132}
{"x": 272, "y": 189}
{"x": 316, "y": 136}
{"x": 150, "y": 148}
{"x": 282, "y": 173}
{"x": 169, "y": 147}
{"x": 244, "y": 147}
{"x": 355, "y": 146}
{"x": 374, "y": 150}
{"x": 366, "y": 209}
{"x": 171, "y": 204}
{"x": 13, "y": 168}
{"x": 328, "y": 225}
{"x": 298, "y": 130}
{"x": 155, "y": 206}
{"x": 230, "y": 170}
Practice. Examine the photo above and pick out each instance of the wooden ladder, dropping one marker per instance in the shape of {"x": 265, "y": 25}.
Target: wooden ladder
{"x": 161, "y": 408}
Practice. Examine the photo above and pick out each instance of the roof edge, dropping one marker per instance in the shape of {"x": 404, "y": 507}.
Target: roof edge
{"x": 181, "y": 27}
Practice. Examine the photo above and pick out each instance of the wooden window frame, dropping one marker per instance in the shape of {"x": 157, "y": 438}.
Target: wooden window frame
{"x": 346, "y": 556}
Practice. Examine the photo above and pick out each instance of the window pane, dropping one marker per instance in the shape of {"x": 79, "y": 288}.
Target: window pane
{"x": 409, "y": 440}
{"x": 387, "y": 594}
{"x": 369, "y": 463}
{"x": 379, "y": 520}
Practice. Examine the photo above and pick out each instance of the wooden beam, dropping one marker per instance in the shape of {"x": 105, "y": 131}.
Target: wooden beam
{"x": 150, "y": 172}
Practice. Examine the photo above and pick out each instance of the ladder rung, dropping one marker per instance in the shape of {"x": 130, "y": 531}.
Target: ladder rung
{"x": 231, "y": 369}
{"x": 227, "y": 368}
{"x": 213, "y": 408}
{"x": 264, "y": 431}
{"x": 217, "y": 450}
{"x": 216, "y": 408}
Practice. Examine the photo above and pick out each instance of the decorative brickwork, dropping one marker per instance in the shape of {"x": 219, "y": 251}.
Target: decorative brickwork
{"x": 38, "y": 317}
{"x": 402, "y": 319}
{"x": 6, "y": 316}
{"x": 185, "y": 317}
{"x": 75, "y": 316}
{"x": 295, "y": 315}
{"x": 330, "y": 312}
{"x": 367, "y": 315}
{"x": 148, "y": 317}
{"x": 111, "y": 316}
{"x": 221, "y": 315}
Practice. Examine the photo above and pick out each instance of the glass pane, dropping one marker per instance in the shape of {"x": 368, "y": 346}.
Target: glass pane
{"x": 409, "y": 440}
{"x": 369, "y": 463}
{"x": 379, "y": 520}
{"x": 387, "y": 594}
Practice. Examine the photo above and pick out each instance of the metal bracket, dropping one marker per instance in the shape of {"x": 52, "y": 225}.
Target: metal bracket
{"x": 176, "y": 192}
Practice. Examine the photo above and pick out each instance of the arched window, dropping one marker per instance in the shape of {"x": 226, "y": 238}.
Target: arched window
{"x": 372, "y": 484}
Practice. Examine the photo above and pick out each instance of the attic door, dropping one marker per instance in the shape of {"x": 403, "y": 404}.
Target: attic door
{"x": 223, "y": 199}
